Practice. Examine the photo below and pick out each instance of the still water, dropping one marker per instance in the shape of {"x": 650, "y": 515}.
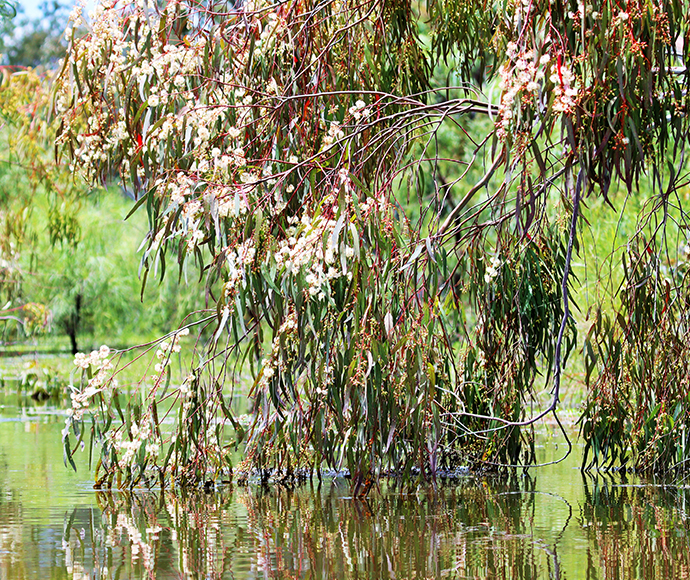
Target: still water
{"x": 553, "y": 523}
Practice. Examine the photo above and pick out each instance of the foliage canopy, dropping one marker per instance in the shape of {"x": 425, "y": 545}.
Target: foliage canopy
{"x": 383, "y": 199}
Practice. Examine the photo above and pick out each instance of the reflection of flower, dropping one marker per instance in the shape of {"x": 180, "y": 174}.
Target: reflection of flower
{"x": 137, "y": 525}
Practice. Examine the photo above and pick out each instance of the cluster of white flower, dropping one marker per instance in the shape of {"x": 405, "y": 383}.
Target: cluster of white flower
{"x": 171, "y": 62}
{"x": 128, "y": 447}
{"x": 335, "y": 133}
{"x": 165, "y": 349}
{"x": 359, "y": 111}
{"x": 203, "y": 119}
{"x": 179, "y": 188}
{"x": 197, "y": 198}
{"x": 118, "y": 134}
{"x": 372, "y": 204}
{"x": 289, "y": 325}
{"x": 224, "y": 162}
{"x": 91, "y": 149}
{"x": 237, "y": 260}
{"x": 106, "y": 32}
{"x": 225, "y": 201}
{"x": 522, "y": 77}
{"x": 313, "y": 249}
{"x": 492, "y": 271}
{"x": 75, "y": 18}
{"x": 563, "y": 80}
{"x": 99, "y": 362}
{"x": 274, "y": 361}
{"x": 190, "y": 225}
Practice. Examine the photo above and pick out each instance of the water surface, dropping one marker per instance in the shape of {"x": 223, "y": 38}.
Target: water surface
{"x": 551, "y": 523}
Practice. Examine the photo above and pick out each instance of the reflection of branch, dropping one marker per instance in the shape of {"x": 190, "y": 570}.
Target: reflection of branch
{"x": 553, "y": 553}
{"x": 550, "y": 494}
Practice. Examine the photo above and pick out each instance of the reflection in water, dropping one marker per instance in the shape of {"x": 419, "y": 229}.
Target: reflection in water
{"x": 494, "y": 528}
{"x": 470, "y": 530}
{"x": 487, "y": 529}
{"x": 555, "y": 525}
{"x": 160, "y": 535}
{"x": 636, "y": 531}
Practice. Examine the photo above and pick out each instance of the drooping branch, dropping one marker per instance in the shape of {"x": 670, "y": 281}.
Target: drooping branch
{"x": 572, "y": 236}
{"x": 451, "y": 217}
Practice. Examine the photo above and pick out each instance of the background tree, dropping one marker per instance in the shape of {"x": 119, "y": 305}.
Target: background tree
{"x": 27, "y": 173}
{"x": 399, "y": 307}
{"x": 37, "y": 41}
{"x": 8, "y": 11}
{"x": 68, "y": 265}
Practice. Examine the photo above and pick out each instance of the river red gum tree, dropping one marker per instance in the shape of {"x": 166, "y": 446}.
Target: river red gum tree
{"x": 384, "y": 198}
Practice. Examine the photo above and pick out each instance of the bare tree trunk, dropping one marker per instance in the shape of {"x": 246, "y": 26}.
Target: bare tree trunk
{"x": 72, "y": 325}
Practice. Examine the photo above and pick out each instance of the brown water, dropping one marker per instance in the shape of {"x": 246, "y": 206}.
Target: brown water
{"x": 551, "y": 524}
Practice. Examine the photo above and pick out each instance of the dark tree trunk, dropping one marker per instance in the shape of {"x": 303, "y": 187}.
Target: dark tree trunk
{"x": 73, "y": 341}
{"x": 73, "y": 324}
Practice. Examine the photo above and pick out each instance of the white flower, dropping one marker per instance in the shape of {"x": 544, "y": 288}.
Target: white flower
{"x": 493, "y": 270}
{"x": 81, "y": 360}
